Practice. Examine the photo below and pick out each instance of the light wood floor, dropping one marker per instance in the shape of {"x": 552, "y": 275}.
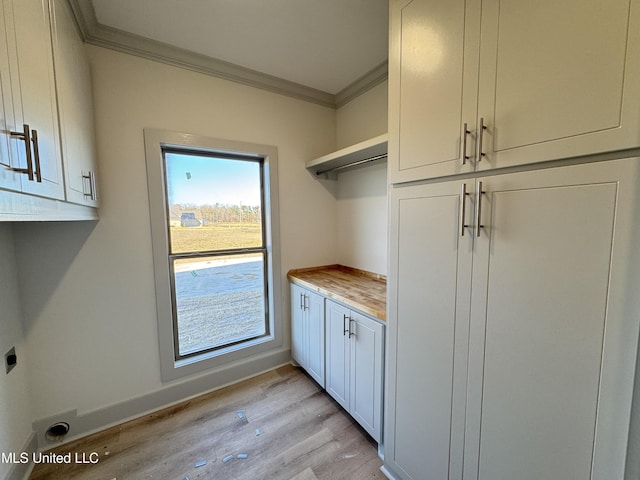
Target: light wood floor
{"x": 303, "y": 435}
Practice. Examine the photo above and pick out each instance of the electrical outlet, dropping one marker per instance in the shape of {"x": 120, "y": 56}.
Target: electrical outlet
{"x": 10, "y": 359}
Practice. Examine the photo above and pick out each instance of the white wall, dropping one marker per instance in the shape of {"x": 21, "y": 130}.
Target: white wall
{"x": 364, "y": 117}
{"x": 90, "y": 319}
{"x": 362, "y": 191}
{"x": 15, "y": 415}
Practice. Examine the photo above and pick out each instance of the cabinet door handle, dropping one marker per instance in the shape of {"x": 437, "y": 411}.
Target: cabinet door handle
{"x": 26, "y": 136}
{"x": 479, "y": 194}
{"x": 305, "y": 305}
{"x": 94, "y": 191}
{"x": 350, "y": 332}
{"x": 91, "y": 178}
{"x": 463, "y": 207}
{"x": 344, "y": 325}
{"x": 465, "y": 135}
{"x": 36, "y": 154}
{"x": 301, "y": 301}
{"x": 481, "y": 130}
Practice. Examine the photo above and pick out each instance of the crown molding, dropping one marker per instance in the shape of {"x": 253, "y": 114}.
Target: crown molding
{"x": 361, "y": 85}
{"x": 95, "y": 33}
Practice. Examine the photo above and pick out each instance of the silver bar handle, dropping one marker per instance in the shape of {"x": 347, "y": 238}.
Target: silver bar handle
{"x": 481, "y": 130}
{"x": 463, "y": 207}
{"x": 344, "y": 324}
{"x": 36, "y": 153}
{"x": 26, "y": 136}
{"x": 92, "y": 181}
{"x": 91, "y": 178}
{"x": 305, "y": 305}
{"x": 465, "y": 135}
{"x": 479, "y": 194}
{"x": 350, "y": 332}
{"x": 301, "y": 302}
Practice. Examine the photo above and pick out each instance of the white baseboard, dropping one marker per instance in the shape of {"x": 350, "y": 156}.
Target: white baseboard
{"x": 97, "y": 420}
{"x": 387, "y": 473}
{"x": 21, "y": 471}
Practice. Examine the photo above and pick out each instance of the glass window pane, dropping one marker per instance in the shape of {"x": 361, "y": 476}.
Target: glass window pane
{"x": 213, "y": 203}
{"x": 219, "y": 300}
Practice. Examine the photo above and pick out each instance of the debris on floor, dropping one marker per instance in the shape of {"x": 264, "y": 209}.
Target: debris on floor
{"x": 201, "y": 463}
{"x": 243, "y": 455}
{"x": 227, "y": 458}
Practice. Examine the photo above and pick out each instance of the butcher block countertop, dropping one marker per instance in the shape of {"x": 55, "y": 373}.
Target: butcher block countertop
{"x": 363, "y": 291}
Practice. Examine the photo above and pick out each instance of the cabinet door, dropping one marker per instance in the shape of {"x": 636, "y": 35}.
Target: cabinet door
{"x": 9, "y": 178}
{"x": 73, "y": 86}
{"x": 337, "y": 374}
{"x": 365, "y": 396}
{"x": 298, "y": 327}
{"x": 433, "y": 87}
{"x": 428, "y": 314}
{"x": 558, "y": 79}
{"x": 35, "y": 102}
{"x": 314, "y": 310}
{"x": 553, "y": 344}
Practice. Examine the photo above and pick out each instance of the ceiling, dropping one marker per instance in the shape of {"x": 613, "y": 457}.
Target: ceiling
{"x": 326, "y": 51}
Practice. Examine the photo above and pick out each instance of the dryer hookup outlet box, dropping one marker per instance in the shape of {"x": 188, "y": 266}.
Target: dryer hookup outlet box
{"x": 10, "y": 359}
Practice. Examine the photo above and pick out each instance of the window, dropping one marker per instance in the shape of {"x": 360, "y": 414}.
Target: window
{"x": 217, "y": 253}
{"x": 213, "y": 208}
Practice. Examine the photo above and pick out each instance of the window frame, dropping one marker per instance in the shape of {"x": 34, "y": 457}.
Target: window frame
{"x": 156, "y": 141}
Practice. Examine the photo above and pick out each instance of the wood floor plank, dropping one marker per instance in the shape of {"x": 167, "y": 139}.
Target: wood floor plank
{"x": 303, "y": 434}
{"x": 307, "y": 474}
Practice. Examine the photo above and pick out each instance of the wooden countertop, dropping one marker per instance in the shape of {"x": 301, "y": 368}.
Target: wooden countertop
{"x": 363, "y": 291}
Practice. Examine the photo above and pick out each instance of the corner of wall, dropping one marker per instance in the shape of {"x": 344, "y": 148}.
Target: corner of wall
{"x": 363, "y": 118}
{"x": 15, "y": 412}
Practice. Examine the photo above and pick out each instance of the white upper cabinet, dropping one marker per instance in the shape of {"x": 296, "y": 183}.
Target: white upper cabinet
{"x": 432, "y": 88}
{"x": 9, "y": 178}
{"x": 532, "y": 82}
{"x": 75, "y": 104}
{"x": 558, "y": 79}
{"x": 30, "y": 102}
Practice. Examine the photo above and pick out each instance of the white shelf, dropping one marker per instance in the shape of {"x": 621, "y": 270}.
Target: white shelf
{"x": 369, "y": 150}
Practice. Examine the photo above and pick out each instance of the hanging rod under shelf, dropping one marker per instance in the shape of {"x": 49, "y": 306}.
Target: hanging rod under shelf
{"x": 359, "y": 162}
{"x": 363, "y": 152}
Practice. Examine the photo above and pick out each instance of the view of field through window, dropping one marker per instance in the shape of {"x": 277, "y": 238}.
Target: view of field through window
{"x": 217, "y": 254}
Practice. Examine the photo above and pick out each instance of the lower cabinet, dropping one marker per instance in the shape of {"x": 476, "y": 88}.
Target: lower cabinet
{"x": 354, "y": 357}
{"x": 307, "y": 331}
{"x": 513, "y": 325}
{"x": 343, "y": 350}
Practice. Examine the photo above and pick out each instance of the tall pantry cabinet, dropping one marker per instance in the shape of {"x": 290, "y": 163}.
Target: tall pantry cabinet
{"x": 513, "y": 305}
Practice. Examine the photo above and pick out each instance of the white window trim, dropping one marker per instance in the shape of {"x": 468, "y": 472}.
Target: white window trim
{"x": 155, "y": 140}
